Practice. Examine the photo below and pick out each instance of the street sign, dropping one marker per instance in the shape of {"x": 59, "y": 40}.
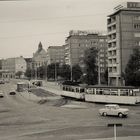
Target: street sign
{"x": 114, "y": 125}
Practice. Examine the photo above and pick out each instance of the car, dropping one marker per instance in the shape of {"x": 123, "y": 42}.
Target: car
{"x": 37, "y": 83}
{"x": 2, "y": 82}
{"x": 12, "y": 92}
{"x": 114, "y": 110}
{"x": 1, "y": 94}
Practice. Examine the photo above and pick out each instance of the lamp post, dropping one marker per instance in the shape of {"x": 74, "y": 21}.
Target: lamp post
{"x": 115, "y": 125}
{"x": 46, "y": 70}
{"x": 55, "y": 71}
{"x": 99, "y": 76}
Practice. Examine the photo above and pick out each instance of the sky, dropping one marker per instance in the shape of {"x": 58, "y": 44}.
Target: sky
{"x": 24, "y": 23}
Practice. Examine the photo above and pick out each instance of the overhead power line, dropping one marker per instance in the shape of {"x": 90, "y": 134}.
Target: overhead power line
{"x": 49, "y": 18}
{"x": 31, "y": 35}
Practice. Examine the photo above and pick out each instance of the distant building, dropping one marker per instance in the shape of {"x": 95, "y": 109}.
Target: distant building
{"x": 0, "y": 64}
{"x": 28, "y": 62}
{"x": 55, "y": 54}
{"x": 39, "y": 57}
{"x": 78, "y": 41}
{"x": 11, "y": 66}
{"x": 123, "y": 36}
{"x": 0, "y": 68}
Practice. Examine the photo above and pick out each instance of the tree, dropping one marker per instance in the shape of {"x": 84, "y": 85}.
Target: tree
{"x": 132, "y": 70}
{"x": 41, "y": 72}
{"x": 90, "y": 60}
{"x": 76, "y": 72}
{"x": 19, "y": 73}
{"x": 106, "y": 76}
{"x": 30, "y": 73}
{"x": 51, "y": 71}
{"x": 65, "y": 71}
{"x": 60, "y": 70}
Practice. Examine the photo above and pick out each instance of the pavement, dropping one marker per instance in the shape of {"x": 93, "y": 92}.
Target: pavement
{"x": 57, "y": 91}
{"x": 118, "y": 138}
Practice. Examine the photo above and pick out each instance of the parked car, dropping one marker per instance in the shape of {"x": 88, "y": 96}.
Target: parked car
{"x": 1, "y": 94}
{"x": 114, "y": 110}
{"x": 38, "y": 83}
{"x": 2, "y": 82}
{"x": 13, "y": 92}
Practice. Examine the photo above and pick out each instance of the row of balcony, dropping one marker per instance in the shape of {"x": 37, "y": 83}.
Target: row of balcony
{"x": 111, "y": 20}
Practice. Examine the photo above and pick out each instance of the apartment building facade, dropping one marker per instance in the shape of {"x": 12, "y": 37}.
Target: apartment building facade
{"x": 55, "y": 54}
{"x": 11, "y": 66}
{"x": 123, "y": 36}
{"x": 78, "y": 41}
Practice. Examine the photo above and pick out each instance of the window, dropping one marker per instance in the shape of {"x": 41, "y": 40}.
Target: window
{"x": 137, "y": 26}
{"x": 136, "y": 34}
{"x": 110, "y": 69}
{"x": 137, "y": 18}
{"x": 137, "y": 43}
{"x": 101, "y": 40}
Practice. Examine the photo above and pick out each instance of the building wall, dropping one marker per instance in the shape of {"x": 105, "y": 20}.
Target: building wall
{"x": 76, "y": 44}
{"x": 55, "y": 54}
{"x": 8, "y": 64}
{"x": 12, "y": 65}
{"x": 123, "y": 27}
{"x": 20, "y": 64}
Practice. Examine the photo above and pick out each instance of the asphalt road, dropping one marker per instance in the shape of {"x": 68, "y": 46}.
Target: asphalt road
{"x": 25, "y": 119}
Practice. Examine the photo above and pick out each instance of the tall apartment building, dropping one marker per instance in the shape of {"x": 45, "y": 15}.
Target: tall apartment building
{"x": 78, "y": 41}
{"x": 55, "y": 54}
{"x": 123, "y": 36}
{"x": 39, "y": 57}
{"x": 11, "y": 66}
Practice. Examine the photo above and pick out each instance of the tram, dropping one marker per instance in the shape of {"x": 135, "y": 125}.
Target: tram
{"x": 73, "y": 92}
{"x": 118, "y": 95}
{"x": 103, "y": 94}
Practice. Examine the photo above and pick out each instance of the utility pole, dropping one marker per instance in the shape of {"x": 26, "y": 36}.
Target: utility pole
{"x": 46, "y": 70}
{"x": 55, "y": 71}
{"x": 71, "y": 75}
{"x": 99, "y": 71}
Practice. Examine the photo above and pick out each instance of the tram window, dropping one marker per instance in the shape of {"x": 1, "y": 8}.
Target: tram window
{"x": 131, "y": 92}
{"x": 81, "y": 90}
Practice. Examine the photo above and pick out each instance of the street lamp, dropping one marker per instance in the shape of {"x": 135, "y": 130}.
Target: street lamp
{"x": 55, "y": 71}
{"x": 99, "y": 72}
{"x": 46, "y": 65}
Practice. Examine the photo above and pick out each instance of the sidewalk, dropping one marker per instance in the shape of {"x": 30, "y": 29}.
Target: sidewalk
{"x": 118, "y": 138}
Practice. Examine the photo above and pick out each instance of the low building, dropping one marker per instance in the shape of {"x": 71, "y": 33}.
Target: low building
{"x": 11, "y": 66}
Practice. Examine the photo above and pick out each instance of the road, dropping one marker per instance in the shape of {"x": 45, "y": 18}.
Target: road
{"x": 22, "y": 118}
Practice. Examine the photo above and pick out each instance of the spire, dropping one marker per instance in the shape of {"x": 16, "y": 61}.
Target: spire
{"x": 40, "y": 46}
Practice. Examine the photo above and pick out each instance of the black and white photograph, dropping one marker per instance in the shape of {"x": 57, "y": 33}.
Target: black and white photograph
{"x": 69, "y": 69}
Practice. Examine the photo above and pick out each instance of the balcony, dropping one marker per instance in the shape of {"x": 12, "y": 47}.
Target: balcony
{"x": 111, "y": 32}
{"x": 111, "y": 40}
{"x": 66, "y": 48}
